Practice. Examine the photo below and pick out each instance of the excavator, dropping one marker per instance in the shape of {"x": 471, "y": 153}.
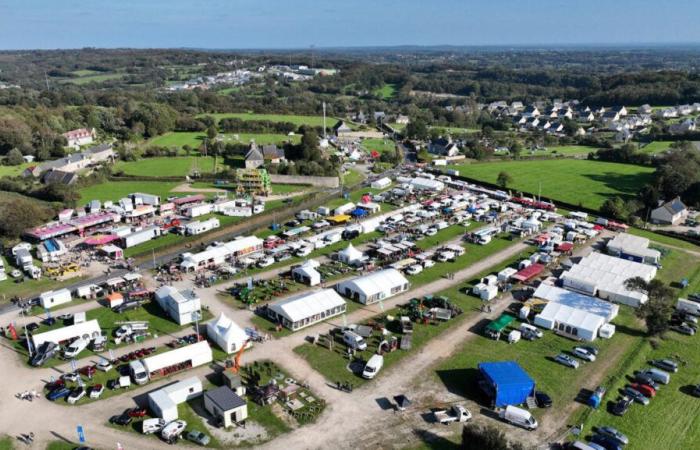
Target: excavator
{"x": 237, "y": 360}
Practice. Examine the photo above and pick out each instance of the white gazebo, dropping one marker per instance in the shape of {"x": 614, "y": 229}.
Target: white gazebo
{"x": 227, "y": 334}
{"x": 351, "y": 256}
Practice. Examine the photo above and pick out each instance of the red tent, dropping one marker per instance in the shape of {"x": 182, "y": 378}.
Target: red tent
{"x": 375, "y": 154}
{"x": 529, "y": 272}
{"x": 565, "y": 246}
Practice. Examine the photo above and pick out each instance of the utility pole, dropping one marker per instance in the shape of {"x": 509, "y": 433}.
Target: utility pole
{"x": 324, "y": 121}
{"x": 46, "y": 79}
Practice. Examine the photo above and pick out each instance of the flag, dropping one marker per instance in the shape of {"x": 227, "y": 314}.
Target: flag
{"x": 13, "y": 331}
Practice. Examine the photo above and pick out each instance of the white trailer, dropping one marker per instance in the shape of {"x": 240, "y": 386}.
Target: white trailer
{"x": 54, "y": 298}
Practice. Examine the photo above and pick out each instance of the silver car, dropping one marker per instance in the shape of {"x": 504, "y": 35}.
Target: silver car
{"x": 566, "y": 360}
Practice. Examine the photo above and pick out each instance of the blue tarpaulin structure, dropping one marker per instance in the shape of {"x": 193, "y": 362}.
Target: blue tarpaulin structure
{"x": 359, "y": 212}
{"x": 506, "y": 382}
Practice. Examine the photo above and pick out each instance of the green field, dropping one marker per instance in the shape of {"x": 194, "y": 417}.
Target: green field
{"x": 656, "y": 147}
{"x": 168, "y": 166}
{"x": 454, "y": 130}
{"x": 14, "y": 171}
{"x": 314, "y": 121}
{"x": 115, "y": 190}
{"x": 576, "y": 182}
{"x": 352, "y": 177}
{"x": 99, "y": 78}
{"x": 195, "y": 139}
{"x": 386, "y": 92}
{"x": 380, "y": 145}
{"x": 566, "y": 150}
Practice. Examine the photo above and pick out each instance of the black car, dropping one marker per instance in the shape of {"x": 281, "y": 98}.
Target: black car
{"x": 696, "y": 391}
{"x": 31, "y": 327}
{"x": 46, "y": 351}
{"x": 48, "y": 321}
{"x": 621, "y": 406}
{"x": 543, "y": 400}
{"x": 606, "y": 442}
{"x": 113, "y": 384}
{"x": 292, "y": 223}
{"x": 121, "y": 419}
{"x": 590, "y": 349}
{"x": 127, "y": 306}
{"x": 646, "y": 379}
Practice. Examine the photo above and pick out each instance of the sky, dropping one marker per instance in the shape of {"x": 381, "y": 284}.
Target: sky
{"x": 243, "y": 24}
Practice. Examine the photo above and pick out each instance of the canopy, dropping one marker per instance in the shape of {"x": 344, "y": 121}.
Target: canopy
{"x": 101, "y": 239}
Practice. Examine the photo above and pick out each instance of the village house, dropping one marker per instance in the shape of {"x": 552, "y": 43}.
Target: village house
{"x": 443, "y": 147}
{"x": 254, "y": 159}
{"x": 670, "y": 213}
{"x": 80, "y": 137}
{"x": 272, "y": 154}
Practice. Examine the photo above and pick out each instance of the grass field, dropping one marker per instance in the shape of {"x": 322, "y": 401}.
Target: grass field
{"x": 386, "y": 92}
{"x": 13, "y": 171}
{"x": 168, "y": 166}
{"x": 114, "y": 190}
{"x": 656, "y": 147}
{"x": 454, "y": 130}
{"x": 566, "y": 150}
{"x": 352, "y": 177}
{"x": 583, "y": 182}
{"x": 380, "y": 145}
{"x": 195, "y": 139}
{"x": 99, "y": 78}
{"x": 314, "y": 121}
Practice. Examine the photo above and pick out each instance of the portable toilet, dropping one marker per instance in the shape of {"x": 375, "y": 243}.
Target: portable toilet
{"x": 596, "y": 398}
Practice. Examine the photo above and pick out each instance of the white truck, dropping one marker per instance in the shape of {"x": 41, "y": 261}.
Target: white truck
{"x": 456, "y": 413}
{"x": 518, "y": 416}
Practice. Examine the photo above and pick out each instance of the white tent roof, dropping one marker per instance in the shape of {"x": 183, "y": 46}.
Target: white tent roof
{"x": 350, "y": 254}
{"x": 376, "y": 282}
{"x": 226, "y": 330}
{"x": 91, "y": 328}
{"x": 161, "y": 360}
{"x": 629, "y": 243}
{"x": 575, "y": 300}
{"x": 306, "y": 305}
{"x": 559, "y": 312}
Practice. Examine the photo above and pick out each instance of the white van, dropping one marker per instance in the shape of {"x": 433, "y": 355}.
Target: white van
{"x": 150, "y": 426}
{"x": 519, "y": 417}
{"x": 354, "y": 341}
{"x": 75, "y": 348}
{"x": 527, "y": 328}
{"x": 138, "y": 372}
{"x": 373, "y": 366}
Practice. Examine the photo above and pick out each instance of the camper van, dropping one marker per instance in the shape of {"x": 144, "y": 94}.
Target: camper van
{"x": 138, "y": 372}
{"x": 354, "y": 341}
{"x": 75, "y": 348}
{"x": 373, "y": 366}
{"x": 519, "y": 417}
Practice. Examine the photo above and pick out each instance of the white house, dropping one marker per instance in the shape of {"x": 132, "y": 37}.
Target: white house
{"x": 374, "y": 287}
{"x": 163, "y": 402}
{"x": 81, "y": 136}
{"x": 670, "y": 213}
{"x": 181, "y": 306}
{"x": 227, "y": 335}
{"x": 226, "y": 406}
{"x": 306, "y": 309}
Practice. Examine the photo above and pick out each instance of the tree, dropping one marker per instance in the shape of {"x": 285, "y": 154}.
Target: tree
{"x": 417, "y": 129}
{"x": 657, "y": 311}
{"x": 615, "y": 208}
{"x": 17, "y": 214}
{"x": 486, "y": 438}
{"x": 14, "y": 133}
{"x": 211, "y": 132}
{"x": 504, "y": 179}
{"x": 14, "y": 158}
{"x": 516, "y": 149}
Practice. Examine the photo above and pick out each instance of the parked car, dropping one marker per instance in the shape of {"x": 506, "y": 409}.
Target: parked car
{"x": 646, "y": 379}
{"x": 696, "y": 391}
{"x": 593, "y": 350}
{"x": 88, "y": 371}
{"x": 566, "y": 360}
{"x": 431, "y": 232}
{"x": 104, "y": 365}
{"x": 121, "y": 419}
{"x": 543, "y": 400}
{"x": 75, "y": 395}
{"x": 684, "y": 328}
{"x": 584, "y": 354}
{"x": 70, "y": 376}
{"x": 46, "y": 351}
{"x": 97, "y": 390}
{"x": 136, "y": 412}
{"x": 635, "y": 395}
{"x": 666, "y": 364}
{"x": 150, "y": 426}
{"x": 428, "y": 263}
{"x": 31, "y": 327}
{"x": 173, "y": 430}
{"x": 414, "y": 269}
{"x": 606, "y": 442}
{"x": 645, "y": 389}
{"x": 657, "y": 375}
{"x": 58, "y": 394}
{"x": 613, "y": 433}
{"x": 198, "y": 437}
{"x": 621, "y": 407}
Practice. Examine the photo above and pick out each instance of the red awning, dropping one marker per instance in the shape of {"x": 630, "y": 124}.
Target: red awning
{"x": 101, "y": 239}
{"x": 529, "y": 272}
{"x": 565, "y": 246}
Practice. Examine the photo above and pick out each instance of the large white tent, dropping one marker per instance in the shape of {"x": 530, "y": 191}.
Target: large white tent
{"x": 573, "y": 322}
{"x": 633, "y": 248}
{"x": 88, "y": 330}
{"x": 307, "y": 273}
{"x": 375, "y": 286}
{"x": 227, "y": 335}
{"x": 191, "y": 355}
{"x": 604, "y": 276}
{"x": 307, "y": 309}
{"x": 554, "y": 294}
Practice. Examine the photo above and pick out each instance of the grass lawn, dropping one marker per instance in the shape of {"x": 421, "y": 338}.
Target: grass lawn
{"x": 661, "y": 239}
{"x": 314, "y": 121}
{"x": 565, "y": 150}
{"x": 352, "y": 177}
{"x": 576, "y": 182}
{"x": 195, "y": 139}
{"x": 59, "y": 445}
{"x": 386, "y": 92}
{"x": 656, "y": 147}
{"x": 379, "y": 145}
{"x": 115, "y": 190}
{"x": 454, "y": 130}
{"x": 168, "y": 167}
{"x": 6, "y": 443}
{"x": 93, "y": 78}
{"x": 398, "y": 126}
{"x": 14, "y": 171}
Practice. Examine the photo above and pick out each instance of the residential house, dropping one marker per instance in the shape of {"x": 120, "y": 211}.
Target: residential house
{"x": 683, "y": 127}
{"x": 684, "y": 110}
{"x": 621, "y": 110}
{"x": 59, "y": 177}
{"x": 28, "y": 158}
{"x": 531, "y": 111}
{"x": 670, "y": 213}
{"x": 645, "y": 109}
{"x": 610, "y": 116}
{"x": 273, "y": 154}
{"x": 666, "y": 113}
{"x": 254, "y": 158}
{"x": 623, "y": 135}
{"x": 443, "y": 147}
{"x": 517, "y": 106}
{"x": 360, "y": 117}
{"x": 403, "y": 120}
{"x": 532, "y": 122}
{"x": 340, "y": 129}
{"x": 379, "y": 116}
{"x": 79, "y": 137}
{"x": 555, "y": 127}
{"x": 586, "y": 116}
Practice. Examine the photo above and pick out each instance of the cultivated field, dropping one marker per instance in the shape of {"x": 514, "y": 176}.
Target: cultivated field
{"x": 583, "y": 182}
{"x": 195, "y": 139}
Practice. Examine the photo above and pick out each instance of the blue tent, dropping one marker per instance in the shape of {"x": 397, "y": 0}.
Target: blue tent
{"x": 506, "y": 382}
{"x": 358, "y": 212}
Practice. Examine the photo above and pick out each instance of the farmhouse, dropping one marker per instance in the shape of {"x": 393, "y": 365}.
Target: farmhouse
{"x": 604, "y": 276}
{"x": 227, "y": 335}
{"x": 341, "y": 129}
{"x": 633, "y": 248}
{"x": 306, "y": 309}
{"x": 670, "y": 213}
{"x": 254, "y": 159}
{"x": 163, "y": 402}
{"x": 181, "y": 306}
{"x": 374, "y": 287}
{"x": 273, "y": 154}
{"x": 81, "y": 136}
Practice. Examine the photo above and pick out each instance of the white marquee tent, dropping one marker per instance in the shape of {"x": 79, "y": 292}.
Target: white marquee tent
{"x": 307, "y": 309}
{"x": 375, "y": 286}
{"x": 226, "y": 334}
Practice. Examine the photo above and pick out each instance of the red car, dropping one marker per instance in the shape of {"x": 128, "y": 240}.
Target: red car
{"x": 644, "y": 389}
{"x": 88, "y": 371}
{"x": 136, "y": 412}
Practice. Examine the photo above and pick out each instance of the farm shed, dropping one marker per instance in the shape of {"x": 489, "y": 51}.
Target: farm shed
{"x": 506, "y": 382}
{"x": 307, "y": 273}
{"x": 307, "y": 309}
{"x": 573, "y": 322}
{"x": 528, "y": 273}
{"x": 54, "y": 298}
{"x": 90, "y": 330}
{"x": 670, "y": 213}
{"x": 181, "y": 358}
{"x": 226, "y": 334}
{"x": 179, "y": 305}
{"x": 374, "y": 287}
{"x": 633, "y": 248}
{"x": 604, "y": 276}
{"x": 381, "y": 183}
{"x": 163, "y": 402}
{"x": 554, "y": 294}
{"x": 226, "y": 406}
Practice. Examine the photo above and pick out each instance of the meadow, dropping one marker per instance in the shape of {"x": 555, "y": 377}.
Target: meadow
{"x": 588, "y": 183}
{"x": 314, "y": 121}
{"x": 168, "y": 166}
{"x": 195, "y": 139}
